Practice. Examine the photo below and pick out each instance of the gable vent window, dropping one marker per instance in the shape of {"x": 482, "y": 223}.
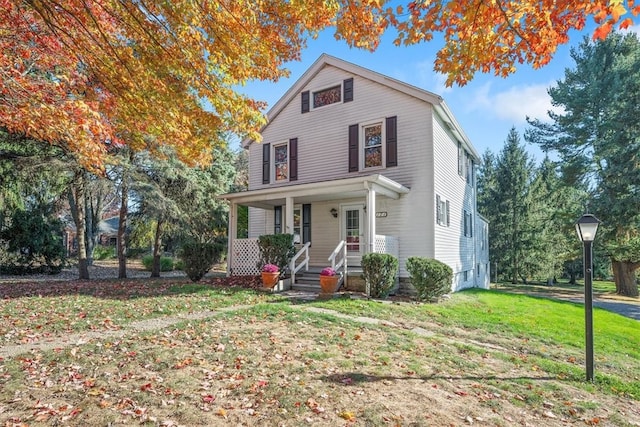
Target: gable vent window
{"x": 328, "y": 96}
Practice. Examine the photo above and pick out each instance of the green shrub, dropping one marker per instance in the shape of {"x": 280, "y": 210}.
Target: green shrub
{"x": 276, "y": 249}
{"x": 379, "y": 272}
{"x": 198, "y": 258}
{"x": 33, "y": 242}
{"x": 430, "y": 277}
{"x": 166, "y": 263}
{"x": 104, "y": 252}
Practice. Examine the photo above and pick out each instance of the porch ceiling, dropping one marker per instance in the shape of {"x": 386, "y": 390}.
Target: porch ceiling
{"x": 319, "y": 191}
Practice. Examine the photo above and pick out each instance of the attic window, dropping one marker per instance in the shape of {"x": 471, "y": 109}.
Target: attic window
{"x": 327, "y": 96}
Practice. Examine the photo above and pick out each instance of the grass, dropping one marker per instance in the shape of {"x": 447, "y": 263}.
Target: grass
{"x": 484, "y": 357}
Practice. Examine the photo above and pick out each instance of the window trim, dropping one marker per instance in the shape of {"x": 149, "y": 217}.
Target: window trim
{"x": 330, "y": 86}
{"x": 443, "y": 215}
{"x": 383, "y": 145}
{"x": 273, "y": 163}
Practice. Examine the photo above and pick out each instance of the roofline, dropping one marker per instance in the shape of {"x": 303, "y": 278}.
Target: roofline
{"x": 324, "y": 59}
{"x": 390, "y": 187}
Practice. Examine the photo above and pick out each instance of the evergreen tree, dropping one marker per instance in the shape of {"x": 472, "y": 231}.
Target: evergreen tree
{"x": 598, "y": 139}
{"x": 506, "y": 203}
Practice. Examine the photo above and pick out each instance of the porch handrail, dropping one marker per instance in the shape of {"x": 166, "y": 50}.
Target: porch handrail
{"x": 305, "y": 262}
{"x": 340, "y": 253}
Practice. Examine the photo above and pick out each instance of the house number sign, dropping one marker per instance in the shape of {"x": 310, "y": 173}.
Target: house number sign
{"x": 381, "y": 214}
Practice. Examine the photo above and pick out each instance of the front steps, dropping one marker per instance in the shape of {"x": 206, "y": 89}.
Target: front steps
{"x": 309, "y": 280}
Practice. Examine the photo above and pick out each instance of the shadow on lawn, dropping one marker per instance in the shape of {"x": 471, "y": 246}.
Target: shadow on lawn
{"x": 355, "y": 378}
{"x": 123, "y": 289}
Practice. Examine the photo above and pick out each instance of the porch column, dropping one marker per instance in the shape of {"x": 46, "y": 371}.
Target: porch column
{"x": 371, "y": 219}
{"x": 233, "y": 234}
{"x": 288, "y": 217}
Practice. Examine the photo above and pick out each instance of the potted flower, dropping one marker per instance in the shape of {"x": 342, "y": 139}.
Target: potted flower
{"x": 270, "y": 275}
{"x": 328, "y": 280}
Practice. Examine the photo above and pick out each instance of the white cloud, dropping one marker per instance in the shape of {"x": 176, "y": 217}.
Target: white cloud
{"x": 513, "y": 104}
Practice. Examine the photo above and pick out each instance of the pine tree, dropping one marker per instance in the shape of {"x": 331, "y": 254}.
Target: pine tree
{"x": 598, "y": 140}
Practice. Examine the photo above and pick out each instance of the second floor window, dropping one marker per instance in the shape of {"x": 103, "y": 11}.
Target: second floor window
{"x": 281, "y": 162}
{"x": 373, "y": 145}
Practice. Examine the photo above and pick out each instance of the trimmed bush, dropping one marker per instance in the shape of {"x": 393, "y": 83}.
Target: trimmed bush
{"x": 166, "y": 263}
{"x": 276, "y": 249}
{"x": 379, "y": 272}
{"x": 199, "y": 258}
{"x": 430, "y": 277}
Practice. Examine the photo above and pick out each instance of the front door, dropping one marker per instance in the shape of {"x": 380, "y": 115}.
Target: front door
{"x": 353, "y": 231}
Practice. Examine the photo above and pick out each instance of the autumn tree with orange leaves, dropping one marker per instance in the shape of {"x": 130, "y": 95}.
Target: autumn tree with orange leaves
{"x": 88, "y": 75}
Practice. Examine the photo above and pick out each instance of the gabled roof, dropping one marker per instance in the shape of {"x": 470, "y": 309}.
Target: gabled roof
{"x": 325, "y": 60}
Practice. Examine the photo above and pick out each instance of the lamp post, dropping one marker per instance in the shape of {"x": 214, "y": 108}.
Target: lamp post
{"x": 586, "y": 227}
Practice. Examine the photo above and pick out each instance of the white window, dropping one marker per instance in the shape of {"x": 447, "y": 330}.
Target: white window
{"x": 371, "y": 145}
{"x": 442, "y": 211}
{"x": 327, "y": 96}
{"x": 468, "y": 224}
{"x": 281, "y": 162}
{"x": 460, "y": 159}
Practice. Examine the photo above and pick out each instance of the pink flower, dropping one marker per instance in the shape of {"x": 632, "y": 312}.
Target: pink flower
{"x": 328, "y": 271}
{"x": 270, "y": 268}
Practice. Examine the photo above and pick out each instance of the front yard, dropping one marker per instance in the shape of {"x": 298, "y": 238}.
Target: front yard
{"x": 168, "y": 352}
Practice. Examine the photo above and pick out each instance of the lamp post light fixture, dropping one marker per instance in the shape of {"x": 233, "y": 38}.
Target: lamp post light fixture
{"x": 587, "y": 227}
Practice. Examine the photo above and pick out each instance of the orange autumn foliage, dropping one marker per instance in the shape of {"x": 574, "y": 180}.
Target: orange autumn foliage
{"x": 90, "y": 75}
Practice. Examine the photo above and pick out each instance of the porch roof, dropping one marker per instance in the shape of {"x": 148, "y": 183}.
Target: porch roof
{"x": 347, "y": 188}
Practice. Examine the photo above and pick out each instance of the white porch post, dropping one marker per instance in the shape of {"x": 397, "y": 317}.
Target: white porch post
{"x": 233, "y": 233}
{"x": 371, "y": 218}
{"x": 288, "y": 221}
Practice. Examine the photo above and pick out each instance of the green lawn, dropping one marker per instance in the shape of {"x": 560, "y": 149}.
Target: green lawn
{"x": 479, "y": 357}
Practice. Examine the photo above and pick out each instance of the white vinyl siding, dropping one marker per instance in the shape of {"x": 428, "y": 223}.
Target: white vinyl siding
{"x": 427, "y": 154}
{"x": 451, "y": 247}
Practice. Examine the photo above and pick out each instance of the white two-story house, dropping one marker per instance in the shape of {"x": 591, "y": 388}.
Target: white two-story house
{"x": 353, "y": 162}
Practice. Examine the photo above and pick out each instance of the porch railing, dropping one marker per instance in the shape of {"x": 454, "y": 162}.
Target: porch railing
{"x": 304, "y": 263}
{"x": 338, "y": 260}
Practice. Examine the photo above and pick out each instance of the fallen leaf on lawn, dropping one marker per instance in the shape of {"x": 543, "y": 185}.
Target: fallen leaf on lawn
{"x": 208, "y": 398}
{"x": 222, "y": 412}
{"x": 349, "y": 416}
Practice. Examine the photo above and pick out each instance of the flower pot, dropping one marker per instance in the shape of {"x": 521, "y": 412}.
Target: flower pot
{"x": 328, "y": 284}
{"x": 269, "y": 280}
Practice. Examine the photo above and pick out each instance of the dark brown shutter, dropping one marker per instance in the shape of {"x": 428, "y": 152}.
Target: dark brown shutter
{"x": 305, "y": 101}
{"x": 306, "y": 223}
{"x": 277, "y": 219}
{"x": 353, "y": 148}
{"x": 266, "y": 163}
{"x": 293, "y": 159}
{"x": 391, "y": 130}
{"x": 347, "y": 88}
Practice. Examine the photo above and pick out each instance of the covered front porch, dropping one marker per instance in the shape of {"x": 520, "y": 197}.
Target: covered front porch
{"x": 334, "y": 223}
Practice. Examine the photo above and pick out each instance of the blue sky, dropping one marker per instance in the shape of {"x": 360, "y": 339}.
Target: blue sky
{"x": 486, "y": 108}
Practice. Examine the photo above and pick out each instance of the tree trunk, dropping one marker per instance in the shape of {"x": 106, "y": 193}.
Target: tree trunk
{"x": 122, "y": 226}
{"x": 625, "y": 278}
{"x": 76, "y": 201}
{"x": 157, "y": 241}
{"x": 89, "y": 226}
